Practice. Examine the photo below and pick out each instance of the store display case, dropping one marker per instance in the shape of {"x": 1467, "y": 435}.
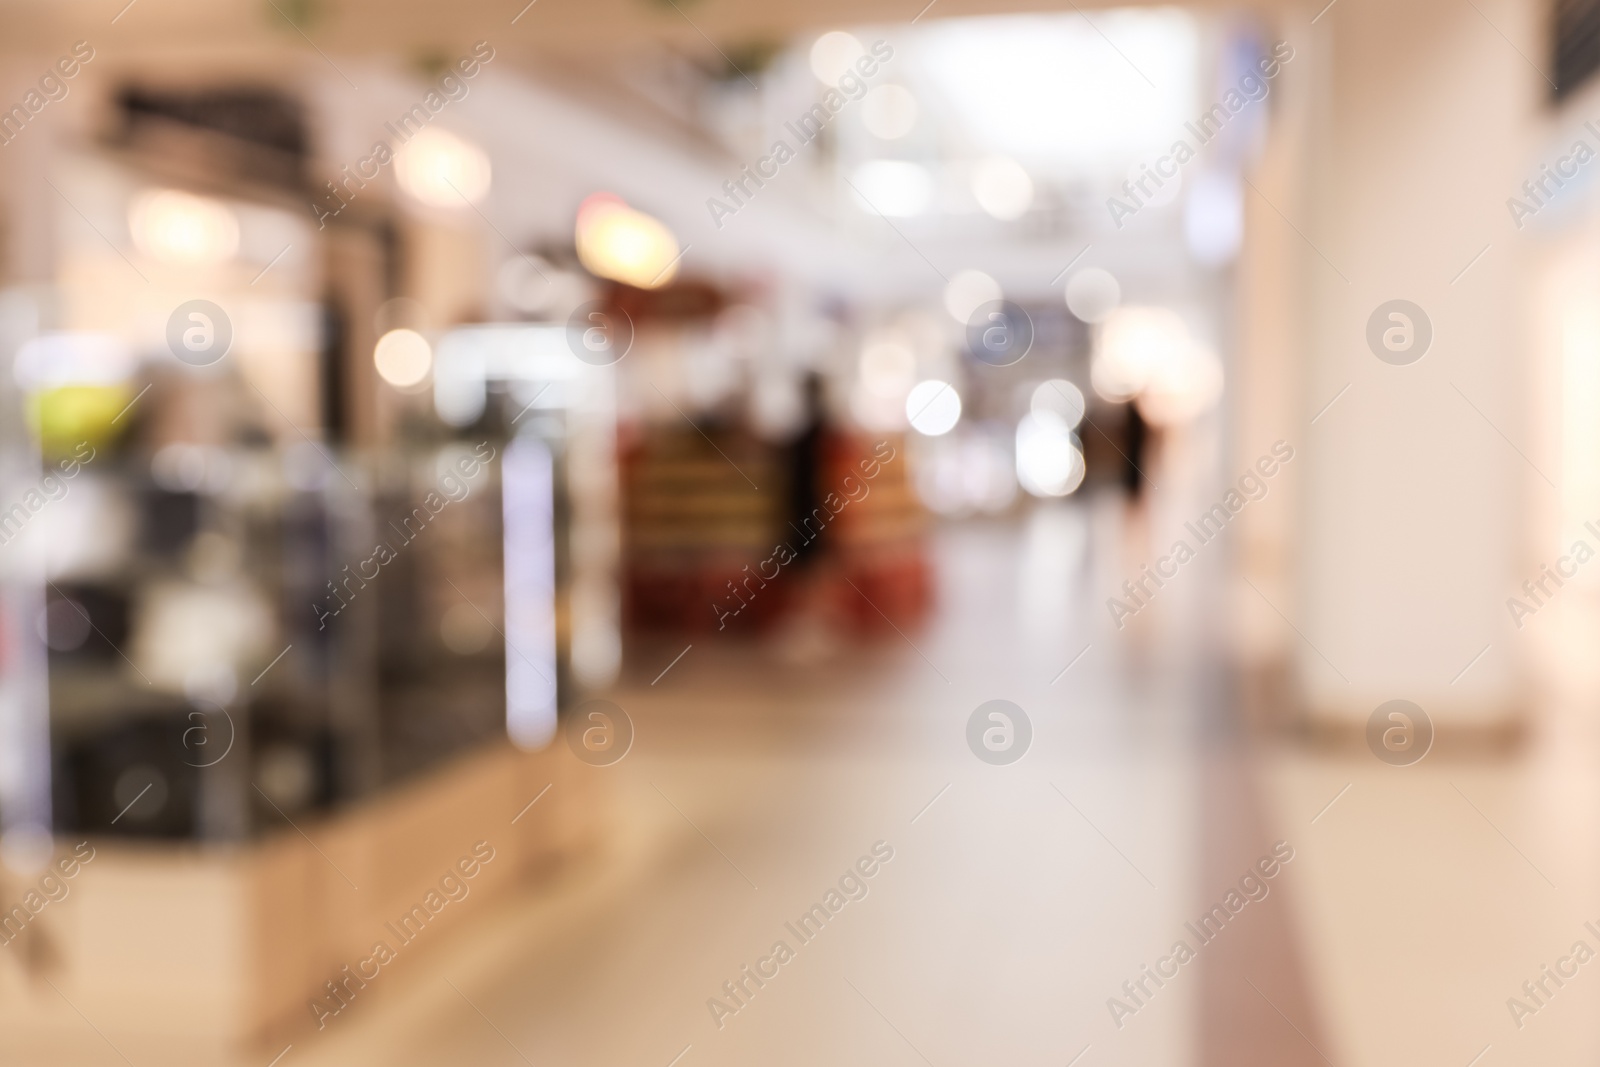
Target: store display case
{"x": 278, "y": 623}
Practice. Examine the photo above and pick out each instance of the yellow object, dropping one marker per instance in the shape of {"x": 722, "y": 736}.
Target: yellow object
{"x": 65, "y": 417}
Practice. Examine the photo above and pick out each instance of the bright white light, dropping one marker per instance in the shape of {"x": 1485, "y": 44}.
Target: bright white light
{"x": 1046, "y": 87}
{"x": 1092, "y": 294}
{"x": 534, "y": 360}
{"x": 893, "y": 187}
{"x": 1213, "y": 218}
{"x": 967, "y": 291}
{"x": 182, "y": 229}
{"x": 1058, "y": 401}
{"x": 1049, "y": 462}
{"x": 1133, "y": 342}
{"x": 527, "y": 493}
{"x": 1182, "y": 387}
{"x": 833, "y": 54}
{"x": 403, "y": 358}
{"x": 56, "y": 359}
{"x": 442, "y": 170}
{"x": 615, "y": 241}
{"x": 1002, "y": 187}
{"x": 889, "y": 112}
{"x": 933, "y": 407}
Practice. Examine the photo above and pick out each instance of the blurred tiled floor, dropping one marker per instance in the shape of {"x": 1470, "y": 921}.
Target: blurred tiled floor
{"x": 1019, "y": 898}
{"x": 1015, "y": 904}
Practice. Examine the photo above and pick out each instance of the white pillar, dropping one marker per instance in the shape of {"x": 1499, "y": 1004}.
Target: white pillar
{"x": 1413, "y": 488}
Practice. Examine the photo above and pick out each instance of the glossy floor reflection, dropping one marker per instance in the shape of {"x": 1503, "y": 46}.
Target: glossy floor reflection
{"x": 1019, "y": 899}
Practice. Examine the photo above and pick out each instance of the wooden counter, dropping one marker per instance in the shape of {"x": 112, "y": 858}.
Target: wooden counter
{"x": 226, "y": 947}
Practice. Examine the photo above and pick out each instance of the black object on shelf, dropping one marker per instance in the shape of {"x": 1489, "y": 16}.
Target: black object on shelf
{"x": 130, "y": 780}
{"x": 168, "y": 521}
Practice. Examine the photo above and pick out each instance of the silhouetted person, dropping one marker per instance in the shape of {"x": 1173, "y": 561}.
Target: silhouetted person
{"x": 1136, "y": 439}
{"x": 805, "y": 470}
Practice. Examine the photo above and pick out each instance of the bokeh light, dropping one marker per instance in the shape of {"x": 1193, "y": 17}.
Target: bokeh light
{"x": 933, "y": 407}
{"x": 615, "y": 241}
{"x": 182, "y": 229}
{"x": 967, "y": 291}
{"x": 403, "y": 358}
{"x": 833, "y": 54}
{"x": 442, "y": 170}
{"x": 893, "y": 187}
{"x": 1049, "y": 461}
{"x": 1002, "y": 188}
{"x": 1182, "y": 387}
{"x": 1133, "y": 341}
{"x": 1058, "y": 400}
{"x": 1092, "y": 294}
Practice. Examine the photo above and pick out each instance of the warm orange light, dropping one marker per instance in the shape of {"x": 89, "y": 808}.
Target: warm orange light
{"x": 442, "y": 170}
{"x": 615, "y": 241}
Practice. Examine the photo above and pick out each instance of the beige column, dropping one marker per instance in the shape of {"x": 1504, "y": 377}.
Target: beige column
{"x": 1411, "y": 125}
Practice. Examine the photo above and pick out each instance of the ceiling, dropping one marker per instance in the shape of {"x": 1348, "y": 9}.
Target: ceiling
{"x": 603, "y": 29}
{"x": 579, "y": 118}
